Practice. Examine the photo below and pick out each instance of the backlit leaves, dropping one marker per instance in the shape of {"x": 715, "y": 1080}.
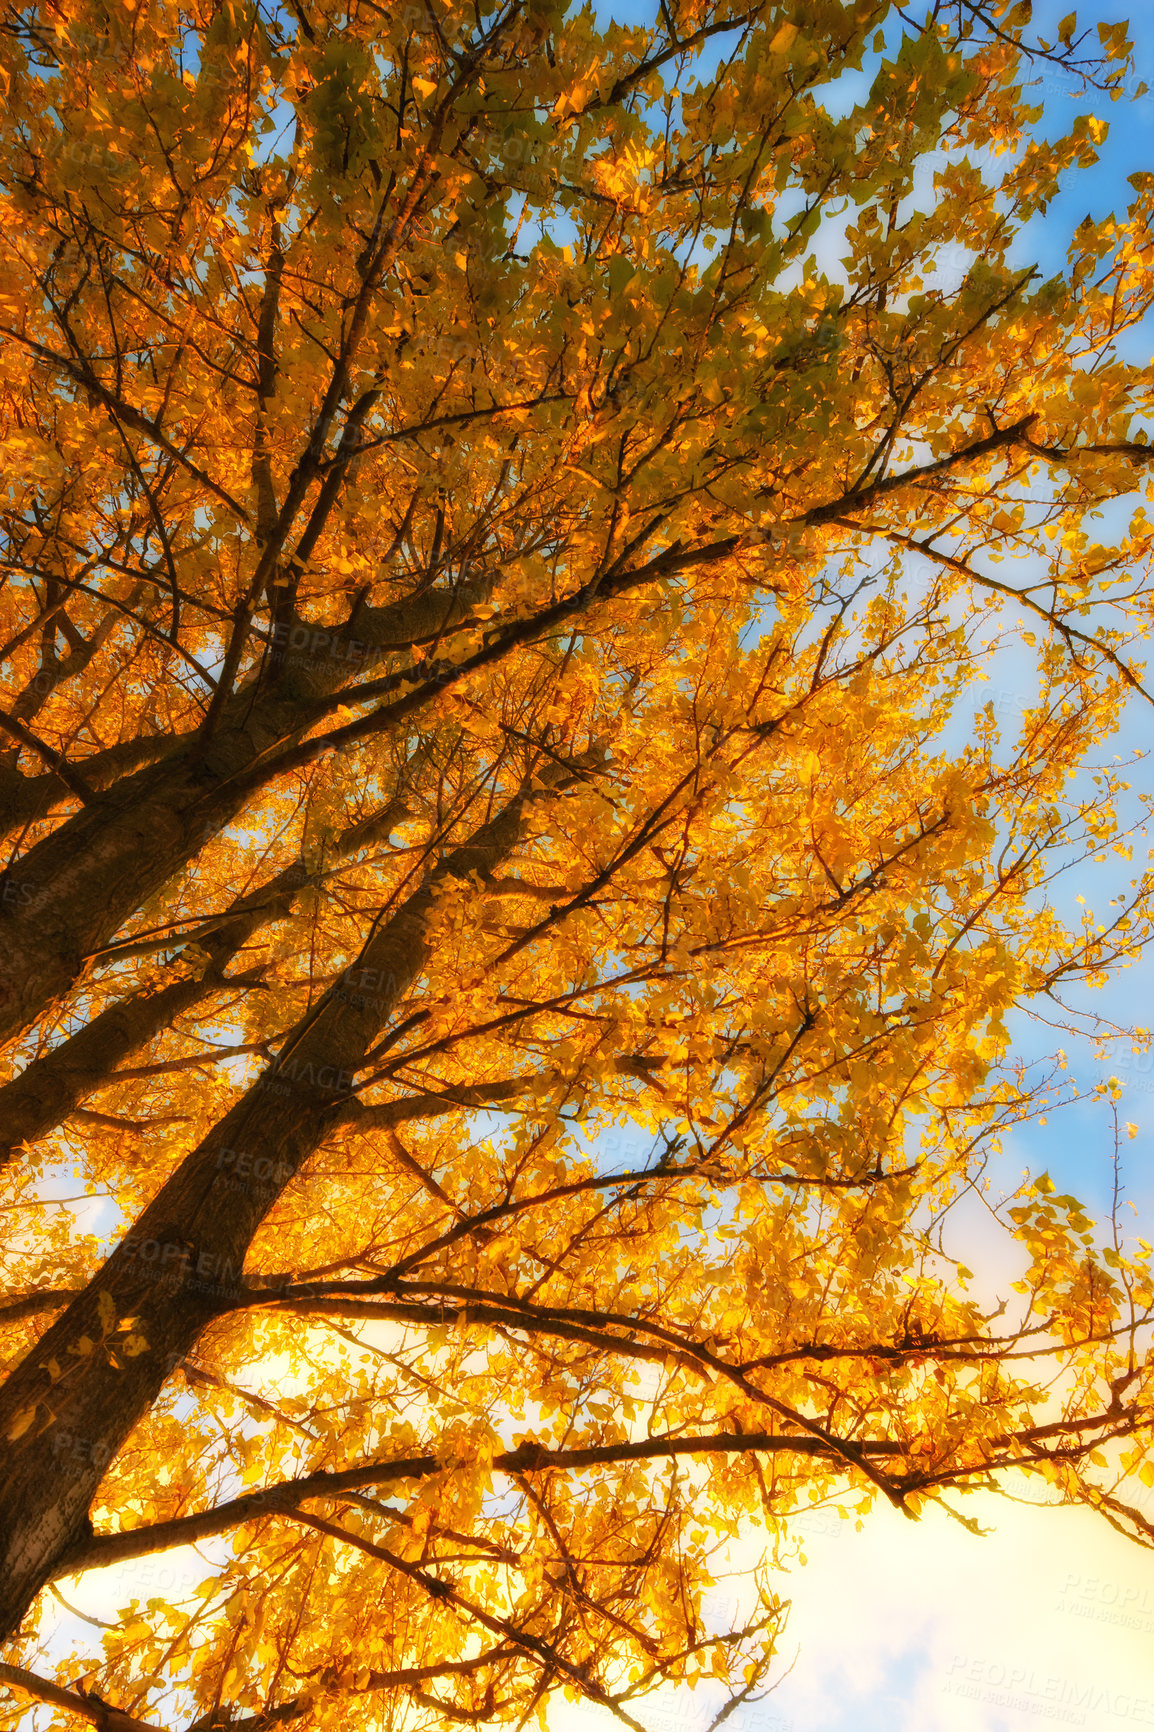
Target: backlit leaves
{"x": 506, "y": 529}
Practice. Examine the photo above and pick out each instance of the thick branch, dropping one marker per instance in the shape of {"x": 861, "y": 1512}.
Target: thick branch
{"x": 106, "y": 1549}
{"x": 91, "y": 1708}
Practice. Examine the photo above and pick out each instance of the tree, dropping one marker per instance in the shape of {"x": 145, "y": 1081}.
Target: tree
{"x": 498, "y": 531}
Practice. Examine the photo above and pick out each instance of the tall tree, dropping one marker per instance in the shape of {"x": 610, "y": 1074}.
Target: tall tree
{"x": 497, "y": 562}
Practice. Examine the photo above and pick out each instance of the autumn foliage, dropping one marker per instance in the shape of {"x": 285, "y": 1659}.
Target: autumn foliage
{"x": 513, "y": 883}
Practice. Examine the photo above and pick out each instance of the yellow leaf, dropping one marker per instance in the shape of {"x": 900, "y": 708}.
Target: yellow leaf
{"x": 21, "y": 1422}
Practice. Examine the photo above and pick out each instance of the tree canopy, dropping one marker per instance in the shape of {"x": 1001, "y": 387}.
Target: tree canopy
{"x": 513, "y": 886}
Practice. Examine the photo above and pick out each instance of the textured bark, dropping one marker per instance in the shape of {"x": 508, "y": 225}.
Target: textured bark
{"x": 182, "y": 1262}
{"x": 71, "y": 893}
{"x": 27, "y": 799}
{"x": 50, "y": 1089}
{"x": 81, "y": 883}
{"x": 78, "y": 885}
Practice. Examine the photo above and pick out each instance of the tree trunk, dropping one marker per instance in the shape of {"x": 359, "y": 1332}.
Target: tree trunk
{"x": 76, "y": 1394}
{"x": 72, "y": 892}
{"x": 44, "y": 1094}
{"x": 28, "y": 799}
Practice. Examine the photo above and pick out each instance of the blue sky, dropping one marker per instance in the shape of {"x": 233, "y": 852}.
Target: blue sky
{"x": 1077, "y": 1144}
{"x": 924, "y": 1626}
{"x": 1050, "y": 1619}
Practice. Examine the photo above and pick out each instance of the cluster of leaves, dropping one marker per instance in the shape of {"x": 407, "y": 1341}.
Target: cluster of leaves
{"x": 497, "y": 533}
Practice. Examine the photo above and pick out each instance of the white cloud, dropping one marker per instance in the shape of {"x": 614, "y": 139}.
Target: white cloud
{"x": 926, "y": 1626}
